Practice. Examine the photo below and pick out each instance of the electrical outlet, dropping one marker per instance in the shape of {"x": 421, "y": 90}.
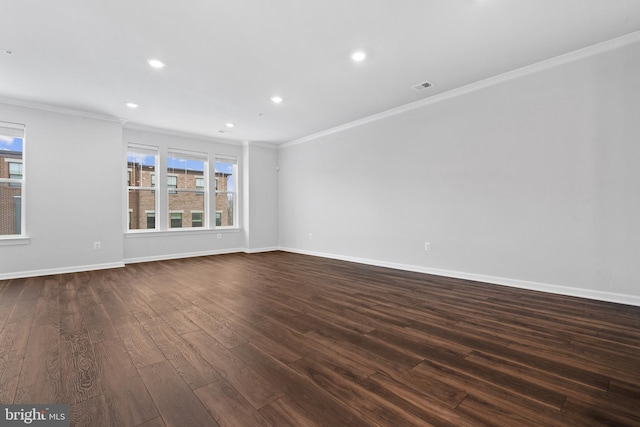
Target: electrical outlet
{"x": 310, "y": 236}
{"x": 427, "y": 246}
{"x": 97, "y": 245}
{"x": 219, "y": 235}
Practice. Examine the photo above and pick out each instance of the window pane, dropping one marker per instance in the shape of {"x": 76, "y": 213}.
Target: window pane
{"x": 141, "y": 202}
{"x": 11, "y": 148}
{"x": 10, "y": 209}
{"x": 11, "y": 154}
{"x": 151, "y": 220}
{"x": 224, "y": 206}
{"x": 186, "y": 188}
{"x": 141, "y": 164}
{"x": 172, "y": 184}
{"x": 15, "y": 172}
{"x": 175, "y": 220}
{"x": 11, "y": 158}
{"x": 196, "y": 219}
{"x": 15, "y": 169}
{"x": 187, "y": 202}
{"x": 184, "y": 172}
{"x": 225, "y": 176}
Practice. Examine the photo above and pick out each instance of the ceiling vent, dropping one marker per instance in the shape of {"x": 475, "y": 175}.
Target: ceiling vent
{"x": 421, "y": 86}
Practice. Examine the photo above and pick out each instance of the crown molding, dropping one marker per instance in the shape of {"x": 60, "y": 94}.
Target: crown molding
{"x": 180, "y": 134}
{"x": 58, "y": 109}
{"x": 269, "y": 145}
{"x": 481, "y": 84}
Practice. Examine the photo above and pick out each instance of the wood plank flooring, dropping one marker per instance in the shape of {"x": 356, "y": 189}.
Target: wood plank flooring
{"x": 279, "y": 339}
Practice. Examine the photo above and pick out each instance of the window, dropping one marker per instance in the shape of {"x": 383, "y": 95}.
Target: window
{"x": 151, "y": 220}
{"x": 176, "y": 219}
{"x": 11, "y": 179}
{"x": 200, "y": 185}
{"x": 226, "y": 198}
{"x": 181, "y": 194}
{"x": 186, "y": 186}
{"x": 141, "y": 165}
{"x": 172, "y": 183}
{"x": 15, "y": 172}
{"x": 196, "y": 219}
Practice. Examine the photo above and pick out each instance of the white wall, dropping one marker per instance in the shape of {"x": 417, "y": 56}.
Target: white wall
{"x": 174, "y": 244}
{"x": 533, "y": 182}
{"x": 261, "y": 196}
{"x": 72, "y": 194}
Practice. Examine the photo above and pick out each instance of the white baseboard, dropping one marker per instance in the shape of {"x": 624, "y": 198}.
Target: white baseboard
{"x": 62, "y": 270}
{"x": 76, "y": 269}
{"x": 514, "y": 283}
{"x": 182, "y": 255}
{"x": 259, "y": 250}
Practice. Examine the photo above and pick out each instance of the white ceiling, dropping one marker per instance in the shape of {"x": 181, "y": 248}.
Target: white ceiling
{"x": 226, "y": 58}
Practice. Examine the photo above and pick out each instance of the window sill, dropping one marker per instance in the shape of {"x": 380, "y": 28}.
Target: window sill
{"x": 14, "y": 240}
{"x": 178, "y": 232}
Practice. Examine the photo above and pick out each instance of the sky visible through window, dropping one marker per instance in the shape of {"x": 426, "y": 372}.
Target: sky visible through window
{"x": 175, "y": 163}
{"x": 227, "y": 168}
{"x": 9, "y": 143}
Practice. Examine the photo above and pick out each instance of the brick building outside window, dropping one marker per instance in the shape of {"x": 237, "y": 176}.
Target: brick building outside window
{"x": 190, "y": 205}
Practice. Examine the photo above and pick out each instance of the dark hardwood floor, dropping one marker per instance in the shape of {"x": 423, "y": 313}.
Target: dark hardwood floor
{"x": 279, "y": 339}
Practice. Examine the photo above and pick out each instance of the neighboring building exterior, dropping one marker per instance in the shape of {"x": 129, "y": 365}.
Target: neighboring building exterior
{"x": 186, "y": 203}
{"x": 10, "y": 193}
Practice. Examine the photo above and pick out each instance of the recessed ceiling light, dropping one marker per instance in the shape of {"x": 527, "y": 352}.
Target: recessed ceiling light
{"x": 132, "y": 105}
{"x": 276, "y": 99}
{"x": 8, "y": 52}
{"x": 358, "y": 56}
{"x": 230, "y": 125}
{"x": 156, "y": 63}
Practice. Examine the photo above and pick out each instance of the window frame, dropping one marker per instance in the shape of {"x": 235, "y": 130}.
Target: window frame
{"x": 186, "y": 156}
{"x": 233, "y": 161}
{"x": 151, "y": 151}
{"x": 15, "y": 130}
{"x": 167, "y": 161}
